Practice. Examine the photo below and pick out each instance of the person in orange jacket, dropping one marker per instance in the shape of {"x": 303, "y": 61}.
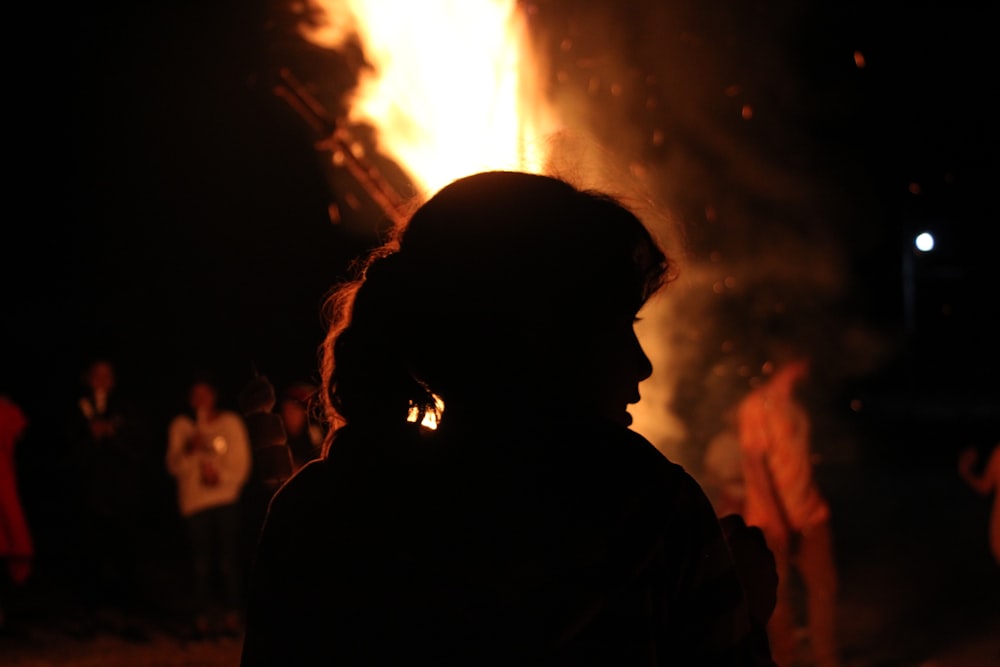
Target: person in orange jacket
{"x": 783, "y": 499}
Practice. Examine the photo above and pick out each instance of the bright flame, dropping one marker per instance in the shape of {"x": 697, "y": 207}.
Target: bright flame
{"x": 431, "y": 418}
{"x": 452, "y": 89}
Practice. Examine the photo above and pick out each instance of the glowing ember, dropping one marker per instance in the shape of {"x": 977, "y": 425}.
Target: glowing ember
{"x": 451, "y": 89}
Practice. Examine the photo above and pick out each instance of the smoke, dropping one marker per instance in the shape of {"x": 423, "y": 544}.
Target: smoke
{"x": 720, "y": 125}
{"x": 704, "y": 119}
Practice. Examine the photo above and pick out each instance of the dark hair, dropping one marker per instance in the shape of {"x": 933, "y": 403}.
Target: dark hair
{"x": 257, "y": 395}
{"x": 489, "y": 277}
{"x": 205, "y": 377}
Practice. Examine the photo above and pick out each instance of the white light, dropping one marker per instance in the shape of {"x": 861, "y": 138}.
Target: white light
{"x": 924, "y": 242}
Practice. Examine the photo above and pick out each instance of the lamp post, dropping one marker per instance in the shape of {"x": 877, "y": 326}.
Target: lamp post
{"x": 920, "y": 244}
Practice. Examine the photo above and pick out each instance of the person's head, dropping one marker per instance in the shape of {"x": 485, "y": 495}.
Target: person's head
{"x": 203, "y": 394}
{"x": 796, "y": 369}
{"x": 257, "y": 396}
{"x": 294, "y": 407}
{"x": 789, "y": 365}
{"x": 504, "y": 290}
{"x": 100, "y": 376}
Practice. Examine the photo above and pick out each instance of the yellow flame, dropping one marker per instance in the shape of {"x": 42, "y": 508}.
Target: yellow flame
{"x": 453, "y": 87}
{"x": 431, "y": 418}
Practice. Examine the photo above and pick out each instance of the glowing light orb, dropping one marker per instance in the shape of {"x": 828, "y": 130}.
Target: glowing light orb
{"x": 924, "y": 242}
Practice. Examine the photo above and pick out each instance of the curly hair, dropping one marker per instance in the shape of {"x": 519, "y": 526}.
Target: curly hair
{"x": 489, "y": 290}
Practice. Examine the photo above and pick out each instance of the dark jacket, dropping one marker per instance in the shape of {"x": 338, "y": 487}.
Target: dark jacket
{"x": 551, "y": 544}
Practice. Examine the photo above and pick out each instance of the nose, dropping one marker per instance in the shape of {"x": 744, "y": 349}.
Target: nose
{"x": 643, "y": 366}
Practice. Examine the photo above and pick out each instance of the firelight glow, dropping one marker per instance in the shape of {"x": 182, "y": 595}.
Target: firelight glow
{"x": 452, "y": 87}
{"x": 431, "y": 418}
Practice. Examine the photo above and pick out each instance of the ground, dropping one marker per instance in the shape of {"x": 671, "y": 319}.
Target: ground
{"x": 919, "y": 587}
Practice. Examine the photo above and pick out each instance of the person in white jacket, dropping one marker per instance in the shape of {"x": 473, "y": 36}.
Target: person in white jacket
{"x": 208, "y": 454}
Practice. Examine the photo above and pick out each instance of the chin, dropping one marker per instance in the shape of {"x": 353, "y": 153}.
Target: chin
{"x": 624, "y": 419}
{"x": 619, "y": 417}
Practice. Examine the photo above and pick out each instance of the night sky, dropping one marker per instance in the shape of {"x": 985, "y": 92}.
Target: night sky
{"x": 171, "y": 212}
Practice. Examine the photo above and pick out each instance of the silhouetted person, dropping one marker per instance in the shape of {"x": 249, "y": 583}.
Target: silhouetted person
{"x": 783, "y": 500}
{"x": 208, "y": 454}
{"x": 531, "y": 526}
{"x": 985, "y": 482}
{"x": 17, "y": 546}
{"x": 107, "y": 462}
{"x": 271, "y": 460}
{"x": 722, "y": 476}
{"x": 304, "y": 435}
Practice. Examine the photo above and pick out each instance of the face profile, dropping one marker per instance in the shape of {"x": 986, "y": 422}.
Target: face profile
{"x": 504, "y": 288}
{"x": 620, "y": 366}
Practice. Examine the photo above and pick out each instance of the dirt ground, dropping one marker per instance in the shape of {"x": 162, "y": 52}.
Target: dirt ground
{"x": 51, "y": 651}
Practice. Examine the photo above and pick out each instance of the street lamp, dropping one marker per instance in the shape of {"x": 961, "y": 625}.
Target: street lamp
{"x": 924, "y": 242}
{"x": 920, "y": 244}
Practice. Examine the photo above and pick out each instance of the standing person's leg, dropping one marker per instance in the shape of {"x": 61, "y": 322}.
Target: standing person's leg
{"x": 115, "y": 561}
{"x": 819, "y": 575}
{"x": 15, "y": 573}
{"x": 6, "y": 587}
{"x": 131, "y": 603}
{"x": 781, "y": 628}
{"x": 130, "y": 562}
{"x": 93, "y": 569}
{"x": 229, "y": 533}
{"x": 200, "y": 533}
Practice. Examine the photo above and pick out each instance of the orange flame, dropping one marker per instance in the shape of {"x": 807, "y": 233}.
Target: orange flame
{"x": 452, "y": 87}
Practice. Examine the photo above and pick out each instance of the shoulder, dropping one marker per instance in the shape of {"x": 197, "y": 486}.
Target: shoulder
{"x": 752, "y": 408}
{"x": 666, "y": 483}
{"x": 12, "y": 418}
{"x": 307, "y": 482}
{"x": 307, "y": 492}
{"x": 232, "y": 420}
{"x": 653, "y": 460}
{"x": 631, "y": 462}
{"x": 181, "y": 423}
{"x": 10, "y": 410}
{"x": 993, "y": 462}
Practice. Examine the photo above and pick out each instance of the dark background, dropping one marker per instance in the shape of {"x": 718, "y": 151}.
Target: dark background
{"x": 170, "y": 211}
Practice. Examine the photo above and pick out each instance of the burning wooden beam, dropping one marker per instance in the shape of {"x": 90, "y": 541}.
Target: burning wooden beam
{"x": 336, "y": 138}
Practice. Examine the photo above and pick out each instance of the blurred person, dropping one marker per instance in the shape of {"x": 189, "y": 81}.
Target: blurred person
{"x": 271, "y": 460}
{"x": 17, "y": 547}
{"x": 985, "y": 481}
{"x": 722, "y": 468}
{"x": 305, "y": 436}
{"x": 783, "y": 500}
{"x": 208, "y": 454}
{"x": 109, "y": 470}
{"x": 483, "y": 501}
{"x": 757, "y": 570}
